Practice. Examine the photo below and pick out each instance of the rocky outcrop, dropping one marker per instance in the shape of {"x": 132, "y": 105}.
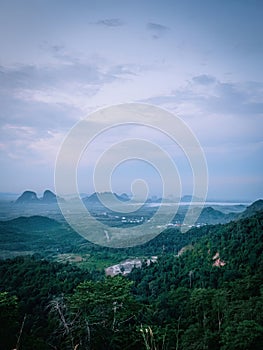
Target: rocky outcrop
{"x": 97, "y": 198}
{"x": 30, "y": 197}
{"x": 49, "y": 197}
{"x": 27, "y": 197}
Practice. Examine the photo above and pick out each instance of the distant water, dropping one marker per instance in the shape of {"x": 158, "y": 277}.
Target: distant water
{"x": 199, "y": 203}
{"x": 9, "y": 210}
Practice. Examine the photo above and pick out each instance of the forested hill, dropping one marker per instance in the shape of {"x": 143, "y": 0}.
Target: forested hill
{"x": 208, "y": 297}
{"x": 252, "y": 209}
{"x": 211, "y": 296}
{"x": 36, "y": 234}
{"x": 40, "y": 234}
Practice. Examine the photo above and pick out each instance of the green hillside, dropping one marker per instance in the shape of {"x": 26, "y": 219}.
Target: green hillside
{"x": 208, "y": 296}
{"x": 36, "y": 234}
{"x": 211, "y": 296}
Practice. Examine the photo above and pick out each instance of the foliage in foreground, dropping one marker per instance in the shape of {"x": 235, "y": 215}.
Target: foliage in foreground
{"x": 210, "y": 297}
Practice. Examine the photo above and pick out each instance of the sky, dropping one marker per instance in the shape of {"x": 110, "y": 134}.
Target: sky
{"x": 201, "y": 60}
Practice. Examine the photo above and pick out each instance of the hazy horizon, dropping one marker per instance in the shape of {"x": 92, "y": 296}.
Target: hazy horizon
{"x": 153, "y": 196}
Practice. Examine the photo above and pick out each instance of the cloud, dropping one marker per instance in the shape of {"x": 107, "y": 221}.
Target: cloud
{"x": 54, "y": 95}
{"x": 110, "y": 22}
{"x": 123, "y": 70}
{"x": 223, "y": 115}
{"x": 48, "y": 76}
{"x": 23, "y": 143}
{"x": 204, "y": 79}
{"x": 207, "y": 95}
{"x": 157, "y": 29}
{"x": 234, "y": 99}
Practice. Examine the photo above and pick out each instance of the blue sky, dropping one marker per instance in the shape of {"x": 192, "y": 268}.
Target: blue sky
{"x": 201, "y": 60}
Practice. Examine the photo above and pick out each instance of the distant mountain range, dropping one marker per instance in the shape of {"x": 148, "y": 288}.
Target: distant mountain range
{"x": 212, "y": 214}
{"x": 30, "y": 197}
{"x": 94, "y": 199}
{"x": 209, "y": 215}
